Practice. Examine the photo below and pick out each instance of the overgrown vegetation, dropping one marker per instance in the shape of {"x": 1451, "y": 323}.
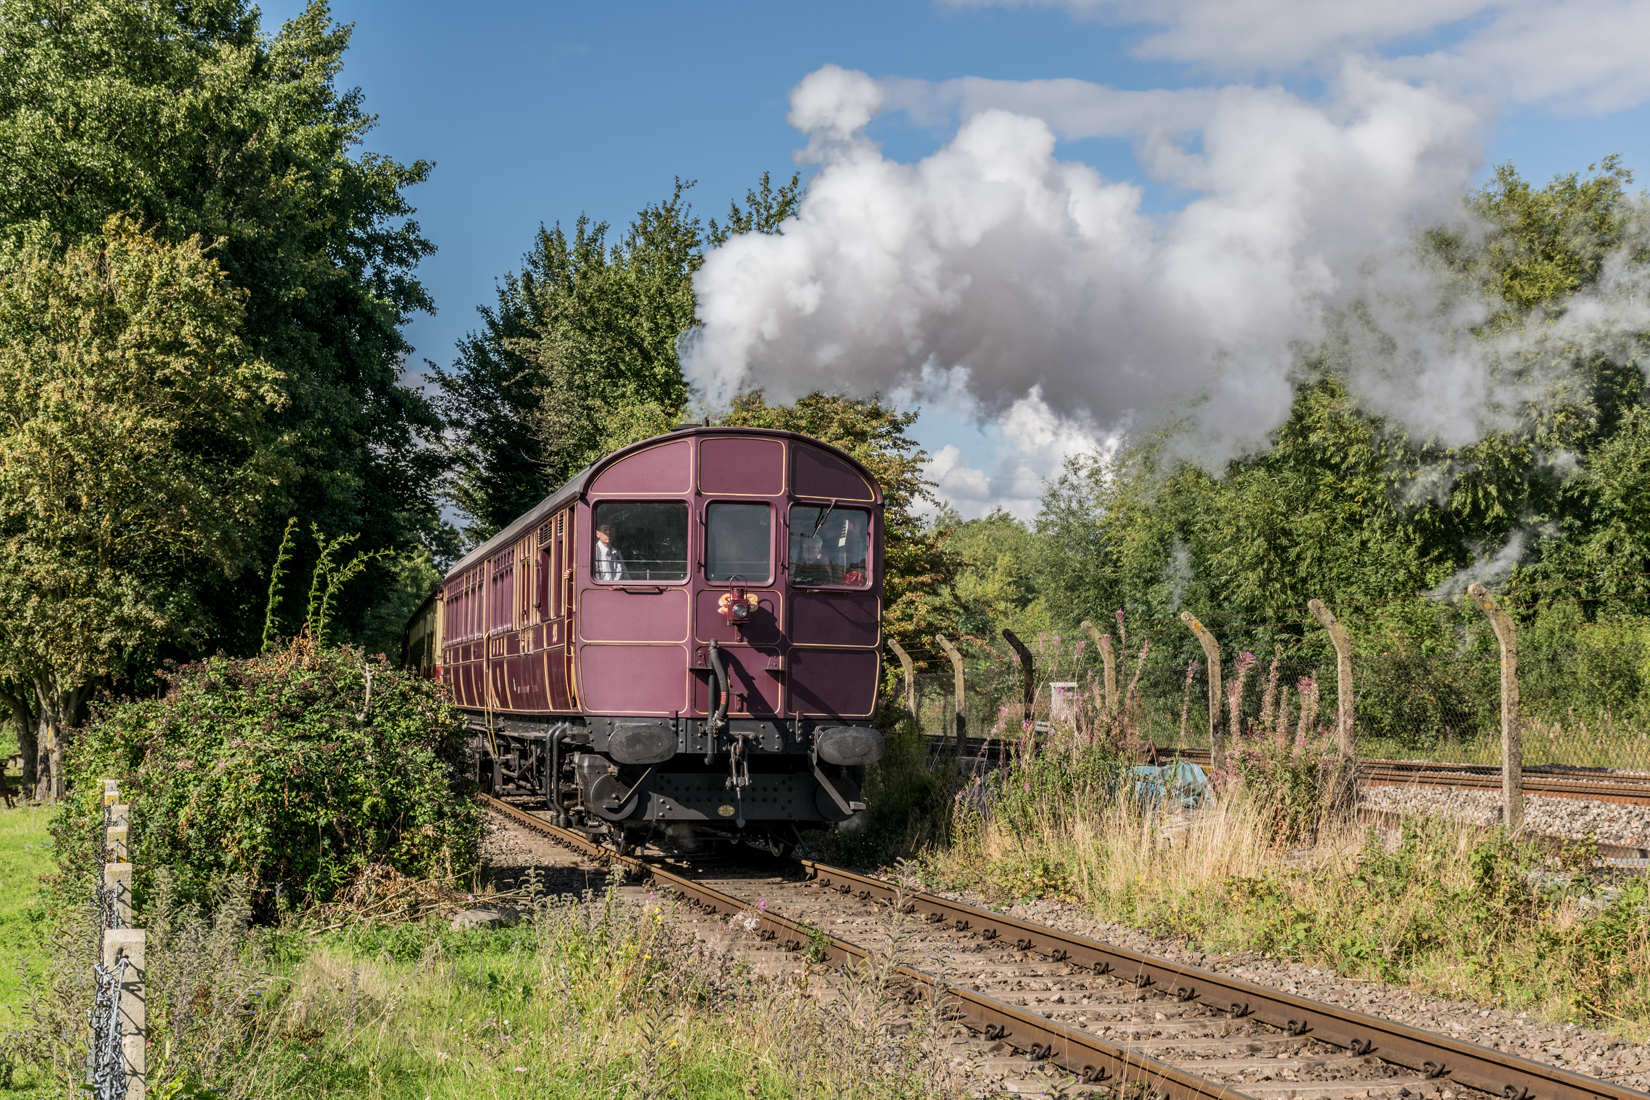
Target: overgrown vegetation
{"x": 907, "y": 798}
{"x": 607, "y": 995}
{"x": 293, "y": 771}
{"x": 201, "y": 123}
{"x": 1447, "y": 908}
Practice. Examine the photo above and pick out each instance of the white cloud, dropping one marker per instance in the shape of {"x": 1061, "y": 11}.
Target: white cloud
{"x": 1039, "y": 275}
{"x": 1030, "y": 443}
{"x": 1584, "y": 54}
{"x": 1266, "y": 33}
{"x": 956, "y": 479}
{"x": 831, "y": 104}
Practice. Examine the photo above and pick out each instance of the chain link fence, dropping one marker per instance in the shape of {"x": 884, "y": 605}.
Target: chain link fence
{"x": 115, "y": 1055}
{"x": 1426, "y": 676}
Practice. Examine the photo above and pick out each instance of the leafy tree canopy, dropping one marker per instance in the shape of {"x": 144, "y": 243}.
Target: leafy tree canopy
{"x": 187, "y": 118}
{"x": 136, "y": 449}
{"x": 578, "y": 356}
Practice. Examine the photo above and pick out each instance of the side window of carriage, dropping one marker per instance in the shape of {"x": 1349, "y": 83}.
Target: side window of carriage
{"x": 739, "y": 542}
{"x": 830, "y": 546}
{"x": 639, "y": 541}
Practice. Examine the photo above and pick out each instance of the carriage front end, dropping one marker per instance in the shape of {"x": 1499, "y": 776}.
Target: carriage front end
{"x": 682, "y": 644}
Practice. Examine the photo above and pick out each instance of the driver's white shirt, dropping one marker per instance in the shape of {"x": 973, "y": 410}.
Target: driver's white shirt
{"x": 610, "y": 564}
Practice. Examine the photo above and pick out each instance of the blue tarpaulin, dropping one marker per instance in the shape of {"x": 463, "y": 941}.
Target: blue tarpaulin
{"x": 1180, "y": 782}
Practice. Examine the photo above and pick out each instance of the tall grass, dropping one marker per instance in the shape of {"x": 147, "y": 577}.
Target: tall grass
{"x": 592, "y": 996}
{"x": 1449, "y": 909}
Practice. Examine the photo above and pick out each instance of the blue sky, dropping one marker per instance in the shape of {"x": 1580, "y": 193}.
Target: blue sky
{"x": 538, "y": 112}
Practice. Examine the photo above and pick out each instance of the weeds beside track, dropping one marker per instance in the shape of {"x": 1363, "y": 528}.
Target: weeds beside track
{"x": 1224, "y": 1027}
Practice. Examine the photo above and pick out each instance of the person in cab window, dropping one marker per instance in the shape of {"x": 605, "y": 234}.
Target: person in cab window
{"x": 813, "y": 568}
{"x": 845, "y": 549}
{"x": 610, "y": 564}
{"x": 850, "y": 554}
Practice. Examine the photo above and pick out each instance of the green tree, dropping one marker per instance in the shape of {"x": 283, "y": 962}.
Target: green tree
{"x": 134, "y": 449}
{"x": 1537, "y": 246}
{"x": 487, "y": 398}
{"x": 187, "y": 117}
{"x": 578, "y": 356}
{"x": 995, "y": 583}
{"x": 606, "y": 350}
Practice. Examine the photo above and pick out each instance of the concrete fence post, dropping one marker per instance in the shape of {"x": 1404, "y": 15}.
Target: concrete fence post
{"x": 1512, "y": 736}
{"x": 117, "y": 879}
{"x": 1343, "y": 794}
{"x": 1343, "y": 674}
{"x": 962, "y": 702}
{"x": 128, "y": 944}
{"x": 1108, "y": 660}
{"x": 910, "y": 678}
{"x": 1211, "y": 654}
{"x": 114, "y": 840}
{"x": 1028, "y": 672}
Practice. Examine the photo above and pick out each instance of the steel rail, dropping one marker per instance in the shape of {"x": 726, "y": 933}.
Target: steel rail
{"x": 1434, "y": 1056}
{"x": 1088, "y": 1057}
{"x": 1593, "y": 784}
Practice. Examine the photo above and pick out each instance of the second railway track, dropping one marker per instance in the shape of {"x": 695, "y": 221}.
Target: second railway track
{"x": 1117, "y": 1020}
{"x": 1593, "y": 784}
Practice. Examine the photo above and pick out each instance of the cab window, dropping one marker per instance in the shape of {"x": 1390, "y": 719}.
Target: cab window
{"x": 830, "y": 546}
{"x": 639, "y": 540}
{"x": 738, "y": 538}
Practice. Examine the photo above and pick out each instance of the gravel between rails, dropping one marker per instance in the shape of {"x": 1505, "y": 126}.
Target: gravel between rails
{"x": 1579, "y": 1049}
{"x": 1573, "y": 818}
{"x": 1250, "y": 1057}
{"x": 1254, "y": 1058}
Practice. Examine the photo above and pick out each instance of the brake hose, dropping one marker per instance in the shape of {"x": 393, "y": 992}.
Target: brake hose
{"x": 719, "y": 713}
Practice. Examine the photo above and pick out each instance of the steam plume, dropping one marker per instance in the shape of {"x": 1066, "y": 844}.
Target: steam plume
{"x": 996, "y": 264}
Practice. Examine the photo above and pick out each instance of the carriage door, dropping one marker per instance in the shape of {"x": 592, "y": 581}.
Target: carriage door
{"x": 526, "y": 662}
{"x": 556, "y": 559}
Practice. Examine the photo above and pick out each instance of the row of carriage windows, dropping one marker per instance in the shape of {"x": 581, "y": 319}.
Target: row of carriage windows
{"x": 647, "y": 541}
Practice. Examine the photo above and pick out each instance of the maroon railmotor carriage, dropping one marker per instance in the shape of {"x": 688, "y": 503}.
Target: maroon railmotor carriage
{"x": 680, "y": 643}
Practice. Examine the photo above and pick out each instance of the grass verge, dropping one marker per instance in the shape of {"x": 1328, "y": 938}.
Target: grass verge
{"x": 1449, "y": 909}
{"x": 25, "y": 855}
{"x": 592, "y": 996}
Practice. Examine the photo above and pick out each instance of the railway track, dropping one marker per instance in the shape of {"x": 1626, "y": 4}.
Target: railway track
{"x": 1595, "y": 784}
{"x": 1129, "y": 1024}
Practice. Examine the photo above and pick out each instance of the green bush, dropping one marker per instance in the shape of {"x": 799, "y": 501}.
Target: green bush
{"x": 278, "y": 770}
{"x": 1056, "y": 787}
{"x": 907, "y": 800}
